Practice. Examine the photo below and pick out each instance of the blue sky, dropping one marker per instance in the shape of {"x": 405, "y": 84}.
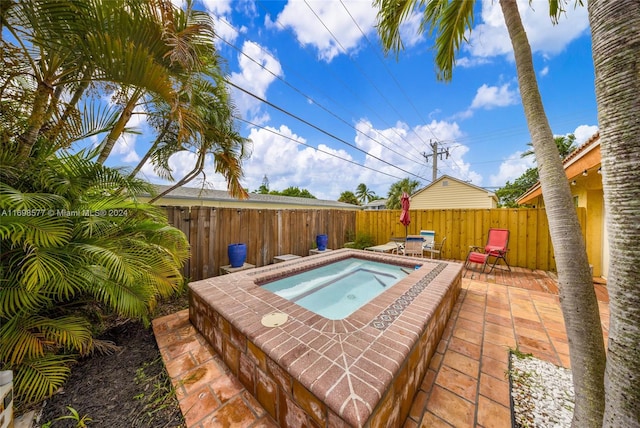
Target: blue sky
{"x": 339, "y": 113}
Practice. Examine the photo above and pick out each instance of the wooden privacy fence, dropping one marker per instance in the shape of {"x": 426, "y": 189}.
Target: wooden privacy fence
{"x": 529, "y": 240}
{"x": 267, "y": 233}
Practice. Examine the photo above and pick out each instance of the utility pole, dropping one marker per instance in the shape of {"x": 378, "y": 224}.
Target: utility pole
{"x": 435, "y": 154}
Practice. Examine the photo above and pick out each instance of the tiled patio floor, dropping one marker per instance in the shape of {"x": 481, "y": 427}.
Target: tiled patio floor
{"x": 465, "y": 386}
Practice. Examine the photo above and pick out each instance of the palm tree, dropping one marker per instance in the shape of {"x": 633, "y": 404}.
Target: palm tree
{"x": 364, "y": 194}
{"x": 616, "y": 49}
{"x": 397, "y": 189}
{"x": 144, "y": 54}
{"x": 565, "y": 143}
{"x": 74, "y": 250}
{"x": 449, "y": 21}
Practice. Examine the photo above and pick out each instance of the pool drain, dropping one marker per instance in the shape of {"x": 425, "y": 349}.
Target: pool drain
{"x": 274, "y": 319}
{"x": 351, "y": 296}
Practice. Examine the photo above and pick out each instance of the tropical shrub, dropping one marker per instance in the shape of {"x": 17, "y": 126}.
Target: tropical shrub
{"x": 76, "y": 247}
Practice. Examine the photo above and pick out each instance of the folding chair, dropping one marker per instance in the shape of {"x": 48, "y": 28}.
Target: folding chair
{"x": 436, "y": 249}
{"x": 496, "y": 247}
{"x": 429, "y": 237}
{"x": 413, "y": 246}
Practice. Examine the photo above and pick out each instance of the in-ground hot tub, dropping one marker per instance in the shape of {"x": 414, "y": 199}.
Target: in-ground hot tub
{"x": 362, "y": 370}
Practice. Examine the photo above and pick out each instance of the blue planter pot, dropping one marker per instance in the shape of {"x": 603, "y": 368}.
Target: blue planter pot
{"x": 322, "y": 241}
{"x": 237, "y": 254}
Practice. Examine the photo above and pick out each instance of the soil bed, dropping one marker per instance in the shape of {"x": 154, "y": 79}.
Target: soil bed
{"x": 129, "y": 388}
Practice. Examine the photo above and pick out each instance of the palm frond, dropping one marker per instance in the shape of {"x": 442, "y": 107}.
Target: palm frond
{"x": 39, "y": 378}
{"x": 450, "y": 21}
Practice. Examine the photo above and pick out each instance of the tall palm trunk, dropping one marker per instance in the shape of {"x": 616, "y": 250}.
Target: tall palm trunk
{"x": 118, "y": 128}
{"x": 36, "y": 120}
{"x": 577, "y": 296}
{"x": 615, "y": 30}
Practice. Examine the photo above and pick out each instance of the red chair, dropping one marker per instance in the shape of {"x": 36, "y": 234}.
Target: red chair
{"x": 497, "y": 243}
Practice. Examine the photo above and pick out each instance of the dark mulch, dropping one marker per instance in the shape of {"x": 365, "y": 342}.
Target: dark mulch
{"x": 129, "y": 388}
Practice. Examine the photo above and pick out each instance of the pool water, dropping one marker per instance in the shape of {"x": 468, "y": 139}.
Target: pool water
{"x": 338, "y": 289}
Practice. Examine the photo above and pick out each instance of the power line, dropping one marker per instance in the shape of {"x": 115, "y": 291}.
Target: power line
{"x": 361, "y": 71}
{"x": 315, "y": 148}
{"x": 313, "y": 100}
{"x": 317, "y": 128}
{"x": 348, "y": 88}
{"x": 393, "y": 77}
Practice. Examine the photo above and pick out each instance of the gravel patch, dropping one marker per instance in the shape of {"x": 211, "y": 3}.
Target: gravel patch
{"x": 541, "y": 393}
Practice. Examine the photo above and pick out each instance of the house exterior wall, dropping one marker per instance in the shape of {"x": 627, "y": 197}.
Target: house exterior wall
{"x": 451, "y": 194}
{"x": 588, "y": 195}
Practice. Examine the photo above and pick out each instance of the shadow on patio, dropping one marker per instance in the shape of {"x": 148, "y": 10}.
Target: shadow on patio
{"x": 466, "y": 385}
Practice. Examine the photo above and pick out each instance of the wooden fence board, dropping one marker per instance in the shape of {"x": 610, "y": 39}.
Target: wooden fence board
{"x": 529, "y": 244}
{"x": 269, "y": 233}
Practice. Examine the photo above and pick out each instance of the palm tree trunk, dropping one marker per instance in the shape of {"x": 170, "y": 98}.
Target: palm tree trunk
{"x": 152, "y": 150}
{"x": 577, "y": 295}
{"x": 616, "y": 54}
{"x": 36, "y": 120}
{"x": 118, "y": 128}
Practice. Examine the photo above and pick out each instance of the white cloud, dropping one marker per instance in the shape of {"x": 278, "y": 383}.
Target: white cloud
{"x": 225, "y": 31}
{"x": 488, "y": 97}
{"x": 326, "y": 172}
{"x": 255, "y": 76}
{"x": 584, "y": 132}
{"x": 490, "y": 37}
{"x": 218, "y": 7}
{"x": 410, "y": 30}
{"x": 409, "y": 144}
{"x": 544, "y": 71}
{"x": 278, "y": 155}
{"x": 510, "y": 169}
{"x": 309, "y": 19}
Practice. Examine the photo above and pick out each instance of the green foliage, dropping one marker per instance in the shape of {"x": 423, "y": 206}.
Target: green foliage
{"x": 158, "y": 394}
{"x": 361, "y": 241}
{"x": 80, "y": 421}
{"x": 396, "y": 190}
{"x": 566, "y": 144}
{"x": 510, "y": 192}
{"x": 74, "y": 246}
{"x": 364, "y": 194}
{"x": 348, "y": 197}
{"x": 293, "y": 191}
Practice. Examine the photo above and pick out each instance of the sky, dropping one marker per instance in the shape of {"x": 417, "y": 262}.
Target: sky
{"x": 326, "y": 109}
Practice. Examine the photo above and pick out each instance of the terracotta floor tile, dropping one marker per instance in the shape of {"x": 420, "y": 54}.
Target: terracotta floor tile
{"x": 492, "y": 414}
{"x": 493, "y": 367}
{"x": 429, "y": 420}
{"x": 202, "y": 375}
{"x": 180, "y": 365}
{"x": 471, "y": 359}
{"x": 458, "y": 383}
{"x": 469, "y": 325}
{"x": 451, "y": 408}
{"x": 410, "y": 423}
{"x": 462, "y": 363}
{"x": 467, "y": 348}
{"x": 498, "y": 329}
{"x": 496, "y": 389}
{"x": 198, "y": 405}
{"x": 499, "y": 339}
{"x": 468, "y": 335}
{"x": 235, "y": 413}
{"x": 418, "y": 406}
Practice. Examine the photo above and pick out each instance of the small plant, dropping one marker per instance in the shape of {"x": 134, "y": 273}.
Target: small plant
{"x": 362, "y": 241}
{"x": 158, "y": 394}
{"x": 81, "y": 421}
